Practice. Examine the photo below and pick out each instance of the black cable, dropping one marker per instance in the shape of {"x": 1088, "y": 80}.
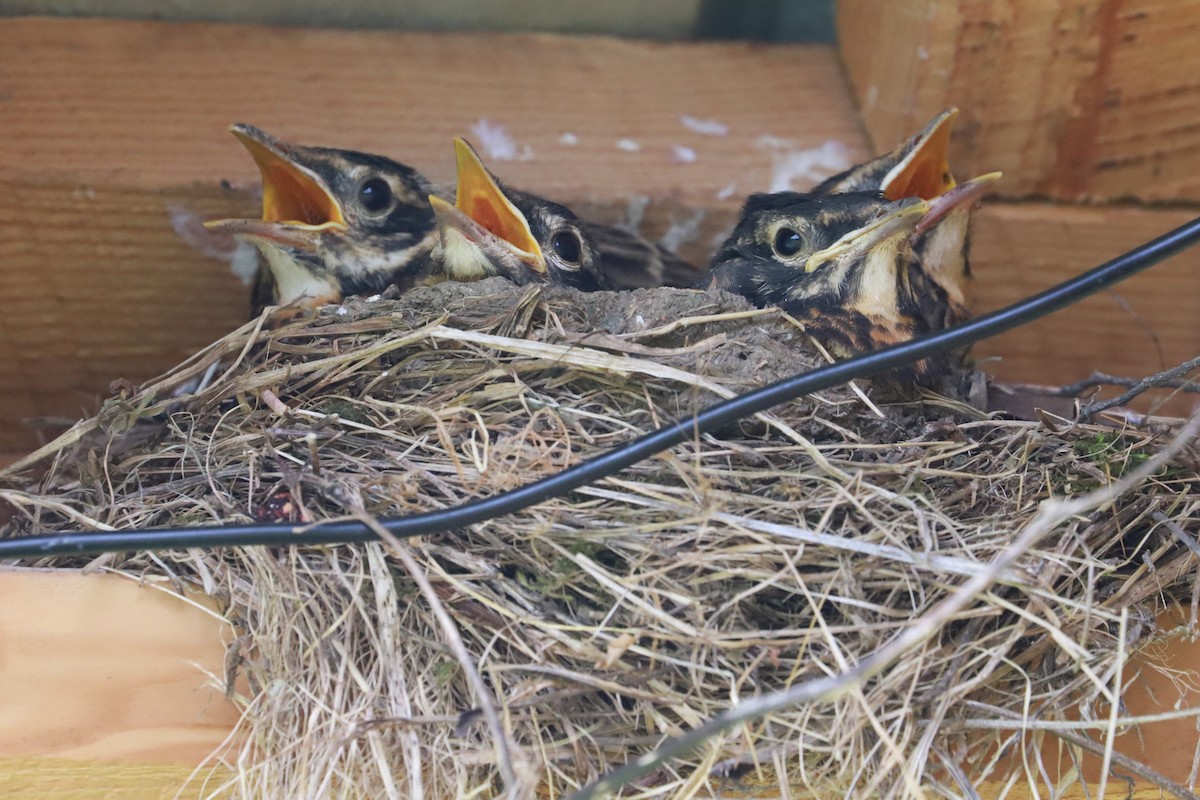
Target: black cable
{"x": 601, "y": 466}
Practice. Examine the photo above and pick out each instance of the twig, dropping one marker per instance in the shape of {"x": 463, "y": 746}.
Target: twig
{"x": 482, "y": 695}
{"x": 1097, "y": 379}
{"x": 1149, "y": 382}
{"x": 1183, "y": 536}
{"x": 1049, "y": 517}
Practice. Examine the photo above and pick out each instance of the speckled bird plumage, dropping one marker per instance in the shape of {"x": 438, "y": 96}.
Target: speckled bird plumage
{"x": 919, "y": 167}
{"x": 335, "y": 223}
{"x": 846, "y": 265}
{"x": 630, "y": 261}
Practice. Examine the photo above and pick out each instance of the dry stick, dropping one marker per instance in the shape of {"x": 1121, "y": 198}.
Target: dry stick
{"x": 1052, "y": 514}
{"x": 1149, "y": 382}
{"x": 482, "y": 696}
{"x": 1098, "y": 379}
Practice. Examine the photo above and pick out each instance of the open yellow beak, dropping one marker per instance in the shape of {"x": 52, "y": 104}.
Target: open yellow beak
{"x": 925, "y": 171}
{"x": 479, "y": 197}
{"x": 296, "y": 202}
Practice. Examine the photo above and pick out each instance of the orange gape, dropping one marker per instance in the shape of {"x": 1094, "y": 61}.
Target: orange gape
{"x": 483, "y": 212}
{"x": 482, "y": 199}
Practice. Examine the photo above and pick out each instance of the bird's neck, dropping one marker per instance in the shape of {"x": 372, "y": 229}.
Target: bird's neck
{"x": 295, "y": 280}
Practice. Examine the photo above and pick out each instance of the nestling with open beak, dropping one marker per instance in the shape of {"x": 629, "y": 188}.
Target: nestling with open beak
{"x": 844, "y": 264}
{"x": 492, "y": 229}
{"x": 334, "y": 222}
{"x": 920, "y": 167}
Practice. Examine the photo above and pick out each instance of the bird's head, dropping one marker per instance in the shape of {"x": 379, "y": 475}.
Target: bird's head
{"x": 493, "y": 229}
{"x": 334, "y": 222}
{"x": 840, "y": 255}
{"x": 789, "y": 245}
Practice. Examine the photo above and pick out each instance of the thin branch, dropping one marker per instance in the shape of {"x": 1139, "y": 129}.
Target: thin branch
{"x": 1160, "y": 781}
{"x": 1159, "y": 379}
{"x": 1099, "y": 379}
{"x": 1183, "y": 536}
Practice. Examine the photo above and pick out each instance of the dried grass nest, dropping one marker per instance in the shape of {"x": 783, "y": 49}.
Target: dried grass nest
{"x": 778, "y": 551}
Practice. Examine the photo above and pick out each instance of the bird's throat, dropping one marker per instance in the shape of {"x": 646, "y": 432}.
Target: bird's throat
{"x": 296, "y": 282}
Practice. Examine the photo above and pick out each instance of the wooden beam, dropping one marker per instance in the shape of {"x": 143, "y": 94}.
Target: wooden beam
{"x": 144, "y": 105}
{"x": 110, "y": 124}
{"x": 100, "y": 667}
{"x": 1072, "y": 99}
{"x": 1141, "y": 326}
{"x": 64, "y": 779}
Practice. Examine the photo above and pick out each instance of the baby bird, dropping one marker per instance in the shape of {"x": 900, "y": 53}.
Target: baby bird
{"x": 920, "y": 167}
{"x": 492, "y": 229}
{"x": 846, "y": 265}
{"x": 334, "y": 223}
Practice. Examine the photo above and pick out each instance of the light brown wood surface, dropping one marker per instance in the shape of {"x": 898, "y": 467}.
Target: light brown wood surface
{"x": 100, "y": 667}
{"x": 1073, "y": 99}
{"x": 1140, "y": 326}
{"x": 103, "y": 686}
{"x": 63, "y": 779}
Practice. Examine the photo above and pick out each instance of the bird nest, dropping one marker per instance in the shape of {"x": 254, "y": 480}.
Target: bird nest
{"x": 776, "y": 554}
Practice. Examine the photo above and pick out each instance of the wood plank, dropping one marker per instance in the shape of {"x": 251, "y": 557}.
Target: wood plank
{"x": 99, "y": 667}
{"x": 1143, "y": 325}
{"x": 145, "y": 105}
{"x": 62, "y": 779}
{"x": 1072, "y": 99}
{"x": 109, "y": 123}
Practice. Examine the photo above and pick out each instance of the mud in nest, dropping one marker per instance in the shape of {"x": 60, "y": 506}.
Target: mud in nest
{"x": 779, "y": 550}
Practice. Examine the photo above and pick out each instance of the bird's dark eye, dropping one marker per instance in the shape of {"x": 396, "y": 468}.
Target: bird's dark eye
{"x": 375, "y": 195}
{"x": 788, "y": 242}
{"x": 568, "y": 246}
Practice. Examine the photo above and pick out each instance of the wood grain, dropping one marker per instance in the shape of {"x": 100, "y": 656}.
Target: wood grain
{"x": 145, "y": 105}
{"x": 108, "y": 123}
{"x": 1145, "y": 324}
{"x": 100, "y": 667}
{"x": 1072, "y": 99}
{"x": 63, "y": 779}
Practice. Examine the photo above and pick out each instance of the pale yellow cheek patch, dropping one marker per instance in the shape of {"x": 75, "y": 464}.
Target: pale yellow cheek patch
{"x": 292, "y": 281}
{"x": 878, "y": 292}
{"x": 463, "y": 259}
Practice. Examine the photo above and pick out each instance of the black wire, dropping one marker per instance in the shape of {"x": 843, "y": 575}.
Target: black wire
{"x": 601, "y": 466}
